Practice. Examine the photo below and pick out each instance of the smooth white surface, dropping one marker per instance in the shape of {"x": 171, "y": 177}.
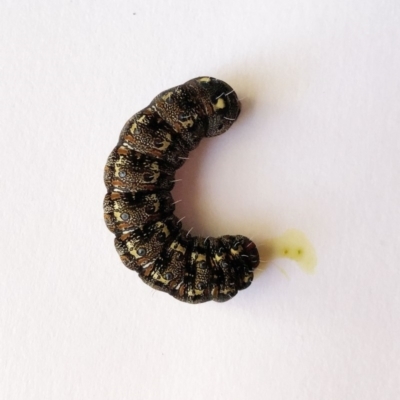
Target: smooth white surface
{"x": 316, "y": 148}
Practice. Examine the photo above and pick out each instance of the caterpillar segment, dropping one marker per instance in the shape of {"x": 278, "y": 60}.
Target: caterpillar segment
{"x": 129, "y": 171}
{"x": 124, "y": 211}
{"x": 147, "y": 133}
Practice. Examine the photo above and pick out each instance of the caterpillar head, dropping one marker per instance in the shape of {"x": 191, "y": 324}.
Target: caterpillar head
{"x": 221, "y": 103}
{"x": 201, "y": 107}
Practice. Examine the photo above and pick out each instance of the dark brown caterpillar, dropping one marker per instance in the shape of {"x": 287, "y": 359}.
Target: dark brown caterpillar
{"x": 138, "y": 208}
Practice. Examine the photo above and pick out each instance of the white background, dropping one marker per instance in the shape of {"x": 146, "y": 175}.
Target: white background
{"x": 316, "y": 148}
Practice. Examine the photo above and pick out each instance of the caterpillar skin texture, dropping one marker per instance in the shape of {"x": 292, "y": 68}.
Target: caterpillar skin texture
{"x": 138, "y": 207}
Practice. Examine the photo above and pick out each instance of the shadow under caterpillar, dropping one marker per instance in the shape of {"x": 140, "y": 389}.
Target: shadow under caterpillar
{"x": 138, "y": 208}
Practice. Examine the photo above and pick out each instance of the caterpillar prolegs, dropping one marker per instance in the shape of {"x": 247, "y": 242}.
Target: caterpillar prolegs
{"x": 138, "y": 208}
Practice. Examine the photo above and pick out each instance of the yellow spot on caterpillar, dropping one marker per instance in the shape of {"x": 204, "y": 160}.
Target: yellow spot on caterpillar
{"x": 133, "y": 127}
{"x": 165, "y": 145}
{"x": 205, "y": 79}
{"x": 158, "y": 277}
{"x": 188, "y": 123}
{"x": 237, "y": 252}
{"x": 220, "y": 104}
{"x": 156, "y": 175}
{"x": 179, "y": 249}
{"x": 167, "y": 96}
{"x": 293, "y": 244}
{"x": 117, "y": 216}
{"x": 225, "y": 291}
{"x": 160, "y": 226}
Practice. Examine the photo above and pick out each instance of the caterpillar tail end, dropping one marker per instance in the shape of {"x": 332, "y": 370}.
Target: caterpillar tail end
{"x": 251, "y": 251}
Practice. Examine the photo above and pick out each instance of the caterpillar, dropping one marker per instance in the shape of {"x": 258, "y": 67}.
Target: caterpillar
{"x": 139, "y": 209}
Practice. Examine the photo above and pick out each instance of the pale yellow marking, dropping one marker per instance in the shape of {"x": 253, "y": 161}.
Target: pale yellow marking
{"x": 117, "y": 215}
{"x": 117, "y": 169}
{"x": 120, "y": 165}
{"x": 166, "y": 231}
{"x": 201, "y": 257}
{"x": 218, "y": 258}
{"x": 205, "y": 79}
{"x": 188, "y": 123}
{"x": 154, "y": 166}
{"x": 142, "y": 118}
{"x": 179, "y": 248}
{"x": 237, "y": 252}
{"x": 294, "y": 245}
{"x": 195, "y": 292}
{"x": 117, "y": 207}
{"x": 198, "y": 257}
{"x": 155, "y": 177}
{"x": 133, "y": 127}
{"x": 226, "y": 291}
{"x": 164, "y": 228}
{"x": 131, "y": 246}
{"x": 167, "y": 96}
{"x": 166, "y": 142}
{"x": 158, "y": 277}
{"x": 220, "y": 104}
{"x": 157, "y": 173}
{"x": 156, "y": 202}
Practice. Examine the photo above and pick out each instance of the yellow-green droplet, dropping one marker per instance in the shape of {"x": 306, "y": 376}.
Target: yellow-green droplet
{"x": 293, "y": 244}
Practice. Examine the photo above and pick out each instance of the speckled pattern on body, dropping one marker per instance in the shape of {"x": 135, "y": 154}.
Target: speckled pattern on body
{"x": 138, "y": 207}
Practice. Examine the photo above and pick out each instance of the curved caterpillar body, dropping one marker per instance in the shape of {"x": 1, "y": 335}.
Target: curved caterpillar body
{"x": 138, "y": 207}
